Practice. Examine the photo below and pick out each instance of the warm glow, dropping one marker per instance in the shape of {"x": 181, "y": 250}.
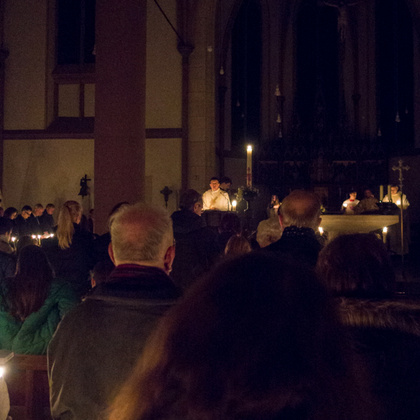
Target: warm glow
{"x": 345, "y": 205}
{"x": 249, "y": 148}
{"x": 33, "y": 236}
{"x": 385, "y": 230}
{"x": 234, "y": 203}
{"x": 398, "y": 202}
{"x": 321, "y": 230}
{"x": 1, "y": 371}
{"x": 13, "y": 238}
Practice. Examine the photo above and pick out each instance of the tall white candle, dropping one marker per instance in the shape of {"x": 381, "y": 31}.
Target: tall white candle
{"x": 249, "y": 166}
{"x": 381, "y": 192}
{"x": 389, "y": 193}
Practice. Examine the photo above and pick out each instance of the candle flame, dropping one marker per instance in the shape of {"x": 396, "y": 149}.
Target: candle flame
{"x": 385, "y": 230}
{"x": 321, "y": 230}
{"x": 249, "y": 148}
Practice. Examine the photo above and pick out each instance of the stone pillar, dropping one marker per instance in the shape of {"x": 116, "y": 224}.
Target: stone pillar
{"x": 4, "y": 53}
{"x": 119, "y": 105}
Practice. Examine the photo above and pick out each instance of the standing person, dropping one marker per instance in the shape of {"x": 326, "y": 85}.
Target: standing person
{"x": 396, "y": 197}
{"x": 256, "y": 339}
{"x": 368, "y": 204}
{"x": 394, "y": 231}
{"x": 37, "y": 218}
{"x": 7, "y": 253}
{"x": 47, "y": 218}
{"x": 300, "y": 217}
{"x": 71, "y": 250}
{"x": 196, "y": 244}
{"x": 32, "y": 303}
{"x": 349, "y": 205}
{"x": 24, "y": 222}
{"x": 97, "y": 345}
{"x": 215, "y": 198}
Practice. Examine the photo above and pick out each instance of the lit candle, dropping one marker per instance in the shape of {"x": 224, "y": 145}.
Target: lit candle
{"x": 384, "y": 232}
{"x": 249, "y": 166}
{"x": 321, "y": 230}
{"x": 13, "y": 238}
{"x": 381, "y": 192}
{"x": 234, "y": 205}
{"x": 389, "y": 194}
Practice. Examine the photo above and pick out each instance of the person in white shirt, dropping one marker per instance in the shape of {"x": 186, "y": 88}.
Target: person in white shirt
{"x": 396, "y": 197}
{"x": 348, "y": 205}
{"x": 215, "y": 198}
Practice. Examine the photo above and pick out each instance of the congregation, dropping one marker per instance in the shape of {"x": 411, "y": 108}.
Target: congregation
{"x": 166, "y": 317}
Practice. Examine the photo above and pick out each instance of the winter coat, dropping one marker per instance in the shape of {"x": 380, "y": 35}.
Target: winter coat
{"x": 32, "y": 335}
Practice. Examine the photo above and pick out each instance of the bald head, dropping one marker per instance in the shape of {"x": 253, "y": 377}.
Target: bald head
{"x": 141, "y": 234}
{"x": 301, "y": 209}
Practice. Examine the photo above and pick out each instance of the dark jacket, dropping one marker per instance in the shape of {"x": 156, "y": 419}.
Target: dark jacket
{"x": 47, "y": 222}
{"x": 386, "y": 333}
{"x": 98, "y": 343}
{"x": 25, "y": 227}
{"x": 32, "y": 335}
{"x": 7, "y": 261}
{"x": 298, "y": 243}
{"x": 197, "y": 248}
{"x": 72, "y": 264}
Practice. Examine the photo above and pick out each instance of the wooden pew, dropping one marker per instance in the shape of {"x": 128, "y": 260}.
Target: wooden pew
{"x": 27, "y": 381}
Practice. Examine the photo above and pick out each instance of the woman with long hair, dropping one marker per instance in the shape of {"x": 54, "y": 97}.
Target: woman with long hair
{"x": 256, "y": 339}
{"x": 71, "y": 251}
{"x": 32, "y": 303}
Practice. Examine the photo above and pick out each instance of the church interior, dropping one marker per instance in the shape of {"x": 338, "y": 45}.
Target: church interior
{"x": 139, "y": 95}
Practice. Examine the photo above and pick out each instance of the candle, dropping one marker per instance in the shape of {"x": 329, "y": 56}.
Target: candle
{"x": 249, "y": 166}
{"x": 389, "y": 194}
{"x": 321, "y": 230}
{"x": 234, "y": 205}
{"x": 381, "y": 192}
{"x": 384, "y": 232}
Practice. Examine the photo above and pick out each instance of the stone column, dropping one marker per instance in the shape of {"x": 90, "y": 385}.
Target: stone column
{"x": 119, "y": 105}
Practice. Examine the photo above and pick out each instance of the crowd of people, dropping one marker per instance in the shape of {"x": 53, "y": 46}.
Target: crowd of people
{"x": 164, "y": 317}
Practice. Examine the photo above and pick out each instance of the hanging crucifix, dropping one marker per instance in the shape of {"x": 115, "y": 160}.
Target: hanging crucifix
{"x": 343, "y": 14}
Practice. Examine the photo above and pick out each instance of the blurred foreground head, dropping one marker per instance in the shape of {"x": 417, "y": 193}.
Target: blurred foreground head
{"x": 356, "y": 265}
{"x": 256, "y": 338}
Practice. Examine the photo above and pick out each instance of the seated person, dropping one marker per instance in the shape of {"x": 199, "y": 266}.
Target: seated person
{"x": 386, "y": 330}
{"x": 32, "y": 303}
{"x": 349, "y": 205}
{"x": 215, "y": 198}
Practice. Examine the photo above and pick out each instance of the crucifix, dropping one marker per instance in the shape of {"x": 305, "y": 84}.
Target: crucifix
{"x": 342, "y": 7}
{"x": 400, "y": 168}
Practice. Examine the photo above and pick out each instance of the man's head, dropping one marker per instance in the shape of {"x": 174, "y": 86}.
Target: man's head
{"x": 225, "y": 183}
{"x": 301, "y": 209}
{"x": 191, "y": 200}
{"x": 26, "y": 211}
{"x": 214, "y": 184}
{"x": 353, "y": 195}
{"x": 38, "y": 209}
{"x": 368, "y": 193}
{"x": 142, "y": 234}
{"x": 50, "y": 208}
{"x": 394, "y": 189}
